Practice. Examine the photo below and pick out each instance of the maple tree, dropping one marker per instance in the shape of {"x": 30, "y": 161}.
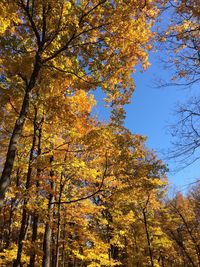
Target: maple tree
{"x": 83, "y": 44}
{"x": 79, "y": 192}
{"x": 85, "y": 193}
{"x": 89, "y": 173}
{"x": 69, "y": 170}
{"x": 83, "y": 175}
{"x": 182, "y": 224}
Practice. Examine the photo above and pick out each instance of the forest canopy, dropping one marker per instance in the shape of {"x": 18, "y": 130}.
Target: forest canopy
{"x": 76, "y": 191}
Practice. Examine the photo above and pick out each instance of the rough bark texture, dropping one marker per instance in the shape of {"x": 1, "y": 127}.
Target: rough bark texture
{"x": 46, "y": 246}
{"x": 58, "y": 224}
{"x": 36, "y": 214}
{"x": 48, "y": 232}
{"x": 10, "y": 157}
{"x": 148, "y": 237}
{"x": 22, "y": 233}
{"x": 17, "y": 131}
{"x": 34, "y": 238}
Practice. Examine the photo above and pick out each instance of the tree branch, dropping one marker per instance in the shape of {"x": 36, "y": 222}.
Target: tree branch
{"x": 90, "y": 195}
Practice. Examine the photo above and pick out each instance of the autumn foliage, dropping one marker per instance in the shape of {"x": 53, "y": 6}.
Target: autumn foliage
{"x": 76, "y": 191}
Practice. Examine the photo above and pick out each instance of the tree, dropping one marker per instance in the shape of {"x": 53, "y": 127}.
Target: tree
{"x": 182, "y": 40}
{"x": 31, "y": 187}
{"x": 81, "y": 174}
{"x": 82, "y": 192}
{"x": 182, "y": 227}
{"x": 186, "y": 132}
{"x": 79, "y": 44}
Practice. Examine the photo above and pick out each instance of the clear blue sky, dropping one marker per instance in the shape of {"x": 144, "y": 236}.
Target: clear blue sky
{"x": 151, "y": 112}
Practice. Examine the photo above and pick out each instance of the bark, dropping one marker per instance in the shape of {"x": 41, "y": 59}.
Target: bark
{"x": 22, "y": 234}
{"x": 10, "y": 157}
{"x": 63, "y": 248}
{"x": 10, "y": 224}
{"x": 34, "y": 238}
{"x": 48, "y": 232}
{"x": 46, "y": 246}
{"x": 25, "y": 215}
{"x": 148, "y": 237}
{"x": 17, "y": 131}
{"x": 114, "y": 252}
{"x": 57, "y": 241}
{"x": 36, "y": 215}
{"x": 53, "y": 252}
{"x": 163, "y": 260}
{"x": 58, "y": 223}
{"x": 63, "y": 245}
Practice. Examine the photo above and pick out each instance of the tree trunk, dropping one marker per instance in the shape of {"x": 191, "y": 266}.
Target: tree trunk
{"x": 10, "y": 157}
{"x": 24, "y": 220}
{"x": 17, "y": 131}
{"x": 58, "y": 239}
{"x": 34, "y": 238}
{"x": 63, "y": 245}
{"x": 47, "y": 246}
{"x": 148, "y": 237}
{"x": 58, "y": 223}
{"x": 22, "y": 234}
{"x": 53, "y": 250}
{"x": 10, "y": 224}
{"x": 48, "y": 232}
{"x": 36, "y": 216}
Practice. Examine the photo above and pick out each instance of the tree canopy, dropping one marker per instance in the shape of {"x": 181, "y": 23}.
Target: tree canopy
{"x": 76, "y": 191}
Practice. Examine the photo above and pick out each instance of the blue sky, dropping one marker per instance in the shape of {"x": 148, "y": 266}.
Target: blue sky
{"x": 150, "y": 113}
